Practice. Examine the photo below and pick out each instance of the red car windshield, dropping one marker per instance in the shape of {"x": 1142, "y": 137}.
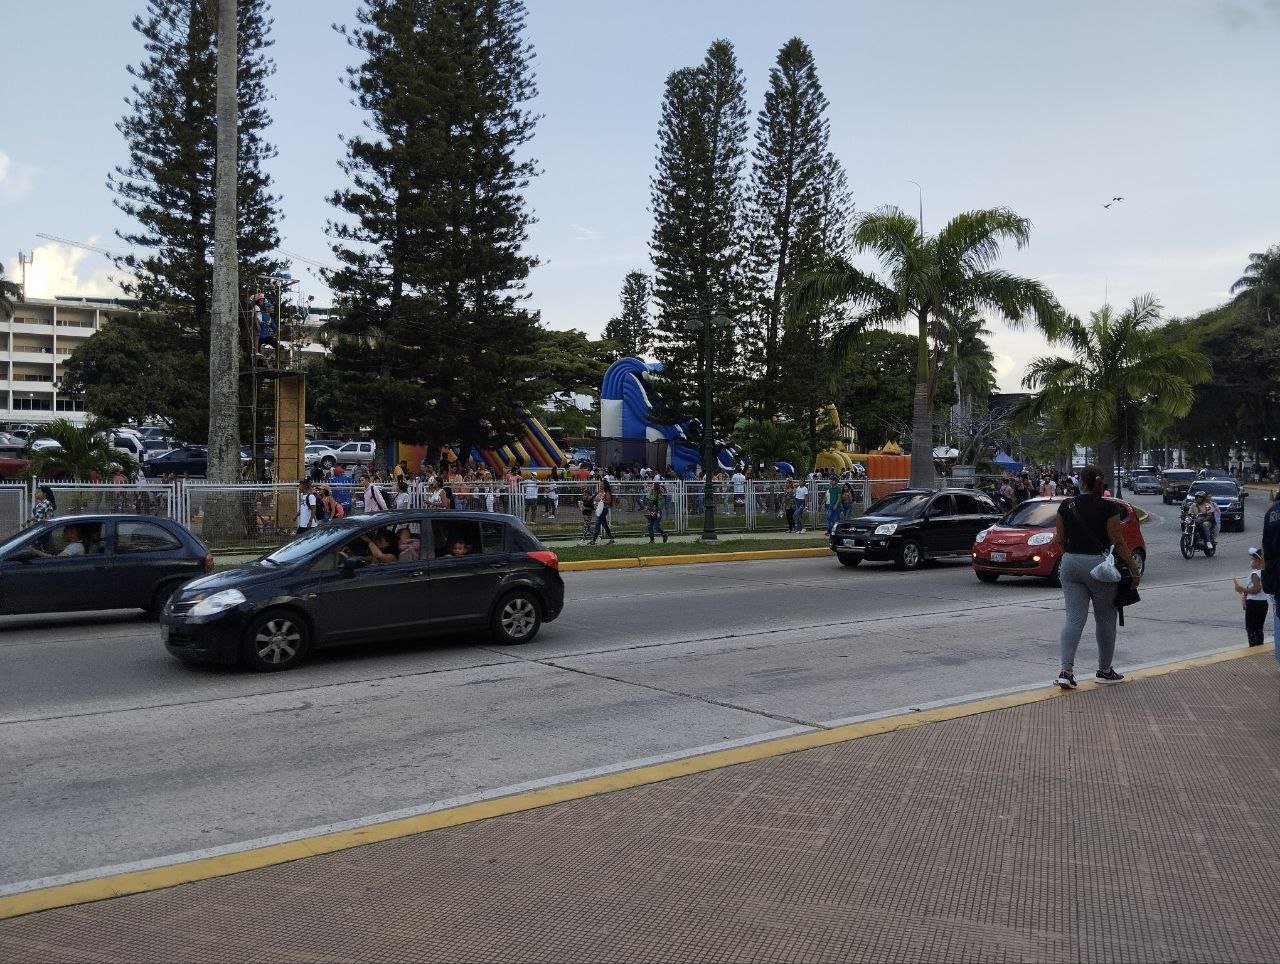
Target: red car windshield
{"x": 1031, "y": 515}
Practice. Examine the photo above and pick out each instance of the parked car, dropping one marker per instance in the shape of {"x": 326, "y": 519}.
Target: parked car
{"x": 151, "y": 447}
{"x": 1145, "y": 485}
{"x": 356, "y": 453}
{"x": 1174, "y": 484}
{"x": 913, "y": 525}
{"x": 188, "y": 460}
{"x": 1227, "y": 496}
{"x": 1023, "y": 543}
{"x": 13, "y": 461}
{"x": 462, "y": 571}
{"x": 321, "y": 455}
{"x": 123, "y": 562}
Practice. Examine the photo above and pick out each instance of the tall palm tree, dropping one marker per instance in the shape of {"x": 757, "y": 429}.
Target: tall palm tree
{"x": 972, "y": 363}
{"x": 1121, "y": 367}
{"x": 928, "y": 279}
{"x": 84, "y": 449}
{"x": 1260, "y": 283}
{"x": 10, "y": 291}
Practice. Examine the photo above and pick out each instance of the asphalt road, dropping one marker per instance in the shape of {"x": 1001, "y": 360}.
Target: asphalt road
{"x": 111, "y": 752}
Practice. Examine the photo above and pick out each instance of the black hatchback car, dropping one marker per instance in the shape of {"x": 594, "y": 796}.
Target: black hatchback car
{"x": 913, "y": 525}
{"x": 86, "y": 562}
{"x": 370, "y": 577}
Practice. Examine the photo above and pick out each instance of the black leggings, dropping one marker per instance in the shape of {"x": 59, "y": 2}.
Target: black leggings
{"x": 1255, "y": 619}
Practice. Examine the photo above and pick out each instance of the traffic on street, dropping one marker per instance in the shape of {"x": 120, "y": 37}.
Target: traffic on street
{"x": 118, "y": 753}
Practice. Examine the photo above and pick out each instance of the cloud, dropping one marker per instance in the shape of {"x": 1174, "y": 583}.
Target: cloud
{"x": 585, "y": 234}
{"x": 59, "y": 269}
{"x": 1237, "y": 15}
{"x": 16, "y": 179}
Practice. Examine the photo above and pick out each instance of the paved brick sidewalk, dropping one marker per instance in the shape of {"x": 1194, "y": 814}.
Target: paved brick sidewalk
{"x": 1136, "y": 823}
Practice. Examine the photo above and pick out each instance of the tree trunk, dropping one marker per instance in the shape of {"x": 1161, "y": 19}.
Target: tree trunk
{"x": 224, "y": 356}
{"x": 923, "y": 474}
{"x": 1107, "y": 462}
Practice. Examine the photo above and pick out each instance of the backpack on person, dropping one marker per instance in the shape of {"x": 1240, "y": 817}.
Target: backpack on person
{"x": 338, "y": 511}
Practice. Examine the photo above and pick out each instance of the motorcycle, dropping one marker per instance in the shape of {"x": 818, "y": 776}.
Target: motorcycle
{"x": 1192, "y": 538}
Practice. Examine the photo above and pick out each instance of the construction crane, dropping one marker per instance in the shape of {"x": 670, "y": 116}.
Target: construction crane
{"x": 77, "y": 244}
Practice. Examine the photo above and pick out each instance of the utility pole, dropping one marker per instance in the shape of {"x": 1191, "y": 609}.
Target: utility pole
{"x": 24, "y": 259}
{"x": 224, "y": 331}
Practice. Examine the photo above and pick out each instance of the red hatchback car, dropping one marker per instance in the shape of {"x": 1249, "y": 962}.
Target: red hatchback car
{"x": 1023, "y": 544}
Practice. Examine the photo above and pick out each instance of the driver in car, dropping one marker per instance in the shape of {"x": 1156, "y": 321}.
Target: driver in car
{"x": 75, "y": 544}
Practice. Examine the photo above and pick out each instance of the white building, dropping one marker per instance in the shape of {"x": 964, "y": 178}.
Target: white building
{"x": 34, "y": 342}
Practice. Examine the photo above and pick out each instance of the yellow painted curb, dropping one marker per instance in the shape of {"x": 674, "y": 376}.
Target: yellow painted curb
{"x": 158, "y": 878}
{"x": 685, "y": 559}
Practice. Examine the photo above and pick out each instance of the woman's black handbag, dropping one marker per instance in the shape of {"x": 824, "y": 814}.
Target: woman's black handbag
{"x": 1126, "y": 595}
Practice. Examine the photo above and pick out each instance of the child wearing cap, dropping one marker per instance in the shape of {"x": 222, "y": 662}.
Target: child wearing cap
{"x": 1253, "y": 599}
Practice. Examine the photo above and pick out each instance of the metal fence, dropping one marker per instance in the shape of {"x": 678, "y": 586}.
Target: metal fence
{"x": 14, "y": 507}
{"x": 260, "y": 515}
{"x": 84, "y": 498}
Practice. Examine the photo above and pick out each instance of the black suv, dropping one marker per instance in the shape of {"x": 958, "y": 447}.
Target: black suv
{"x": 388, "y": 575}
{"x": 913, "y": 525}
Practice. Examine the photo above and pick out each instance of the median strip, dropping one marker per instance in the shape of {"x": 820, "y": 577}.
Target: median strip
{"x": 684, "y": 559}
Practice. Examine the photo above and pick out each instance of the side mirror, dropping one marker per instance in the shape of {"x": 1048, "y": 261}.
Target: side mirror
{"x": 352, "y": 564}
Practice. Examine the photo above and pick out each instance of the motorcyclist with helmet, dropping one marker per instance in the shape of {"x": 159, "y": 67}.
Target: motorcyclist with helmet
{"x": 1205, "y": 513}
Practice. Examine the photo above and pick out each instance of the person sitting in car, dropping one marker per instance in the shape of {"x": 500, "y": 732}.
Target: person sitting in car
{"x": 408, "y": 548}
{"x": 76, "y": 543}
{"x": 459, "y": 547}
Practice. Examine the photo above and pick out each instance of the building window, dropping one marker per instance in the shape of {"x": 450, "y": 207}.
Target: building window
{"x": 70, "y": 405}
{"x": 32, "y": 404}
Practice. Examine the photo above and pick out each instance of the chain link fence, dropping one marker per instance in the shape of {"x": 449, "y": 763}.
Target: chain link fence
{"x": 87, "y": 498}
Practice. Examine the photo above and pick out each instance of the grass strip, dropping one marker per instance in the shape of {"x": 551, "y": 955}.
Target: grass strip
{"x": 631, "y": 550}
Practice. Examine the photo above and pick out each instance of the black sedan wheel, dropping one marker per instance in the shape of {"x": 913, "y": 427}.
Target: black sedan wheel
{"x": 517, "y": 618}
{"x": 910, "y": 555}
{"x": 278, "y": 639}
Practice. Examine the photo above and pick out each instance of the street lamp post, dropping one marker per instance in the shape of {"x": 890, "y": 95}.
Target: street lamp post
{"x": 707, "y": 323}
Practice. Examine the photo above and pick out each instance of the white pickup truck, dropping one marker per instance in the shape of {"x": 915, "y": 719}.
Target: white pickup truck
{"x": 349, "y": 453}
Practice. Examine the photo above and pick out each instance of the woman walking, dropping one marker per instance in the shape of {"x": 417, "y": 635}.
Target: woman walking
{"x": 1086, "y": 525}
{"x": 653, "y": 512}
{"x": 603, "y": 502}
{"x": 45, "y": 506}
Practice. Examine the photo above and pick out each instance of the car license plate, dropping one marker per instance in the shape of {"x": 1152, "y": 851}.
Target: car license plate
{"x": 998, "y": 557}
{"x": 849, "y": 542}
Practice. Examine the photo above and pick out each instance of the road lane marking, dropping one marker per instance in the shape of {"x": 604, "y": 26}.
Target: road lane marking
{"x": 31, "y": 896}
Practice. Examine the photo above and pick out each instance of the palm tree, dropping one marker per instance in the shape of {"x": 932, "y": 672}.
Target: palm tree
{"x": 972, "y": 364}
{"x": 1121, "y": 367}
{"x": 84, "y": 449}
{"x": 928, "y": 279}
{"x": 9, "y": 292}
{"x": 1260, "y": 283}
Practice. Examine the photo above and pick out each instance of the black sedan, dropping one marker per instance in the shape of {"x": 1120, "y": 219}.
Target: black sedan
{"x": 87, "y": 562}
{"x": 370, "y": 577}
{"x": 913, "y": 525}
{"x": 186, "y": 460}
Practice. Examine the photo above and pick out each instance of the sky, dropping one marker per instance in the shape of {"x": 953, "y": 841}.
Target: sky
{"x": 1049, "y": 109}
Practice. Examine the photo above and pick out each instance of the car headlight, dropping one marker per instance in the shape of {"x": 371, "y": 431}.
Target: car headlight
{"x": 1040, "y": 539}
{"x": 888, "y": 529}
{"x": 981, "y": 536}
{"x": 218, "y": 602}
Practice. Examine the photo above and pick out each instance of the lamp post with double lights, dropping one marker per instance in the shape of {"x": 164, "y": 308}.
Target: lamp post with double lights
{"x": 706, "y": 325}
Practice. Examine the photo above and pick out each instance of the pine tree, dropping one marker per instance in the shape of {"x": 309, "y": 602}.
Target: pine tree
{"x": 698, "y": 238}
{"x": 631, "y": 330}
{"x": 167, "y": 186}
{"x": 797, "y": 208}
{"x": 433, "y": 337}
{"x": 171, "y": 133}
